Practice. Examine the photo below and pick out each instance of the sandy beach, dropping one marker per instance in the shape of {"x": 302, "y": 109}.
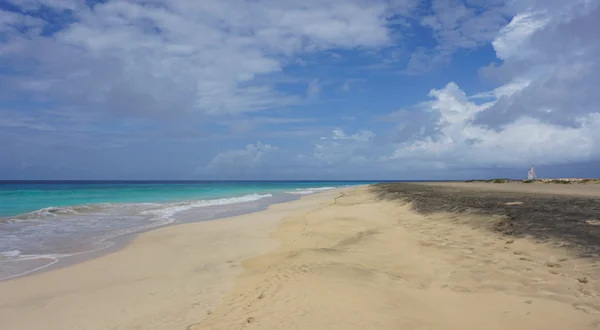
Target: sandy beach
{"x": 391, "y": 256}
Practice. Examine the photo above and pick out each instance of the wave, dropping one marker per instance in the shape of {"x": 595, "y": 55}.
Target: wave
{"x": 168, "y": 212}
{"x": 9, "y": 254}
{"x": 163, "y": 210}
{"x": 157, "y": 215}
{"x": 308, "y": 191}
{"x": 54, "y": 211}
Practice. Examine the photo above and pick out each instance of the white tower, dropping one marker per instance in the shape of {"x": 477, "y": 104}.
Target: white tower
{"x": 531, "y": 174}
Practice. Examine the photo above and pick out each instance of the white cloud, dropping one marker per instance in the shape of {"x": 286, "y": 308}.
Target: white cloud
{"x": 545, "y": 113}
{"x": 458, "y": 24}
{"x": 511, "y": 40}
{"x": 506, "y": 90}
{"x": 550, "y": 57}
{"x": 458, "y": 142}
{"x": 245, "y": 158}
{"x": 178, "y": 56}
{"x": 352, "y": 84}
{"x": 225, "y": 57}
{"x": 313, "y": 90}
{"x": 16, "y": 23}
{"x": 340, "y": 148}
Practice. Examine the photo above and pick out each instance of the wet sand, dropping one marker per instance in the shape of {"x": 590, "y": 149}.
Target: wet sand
{"x": 163, "y": 279}
{"x": 391, "y": 256}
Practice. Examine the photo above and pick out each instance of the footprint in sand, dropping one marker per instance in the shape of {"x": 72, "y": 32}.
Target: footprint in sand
{"x": 522, "y": 256}
{"x": 586, "y": 308}
{"x": 582, "y": 280}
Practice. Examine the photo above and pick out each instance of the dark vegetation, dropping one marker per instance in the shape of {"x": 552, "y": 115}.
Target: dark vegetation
{"x": 573, "y": 221}
{"x": 498, "y": 180}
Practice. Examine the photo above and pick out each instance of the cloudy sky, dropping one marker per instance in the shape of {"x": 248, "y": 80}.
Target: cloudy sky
{"x": 286, "y": 89}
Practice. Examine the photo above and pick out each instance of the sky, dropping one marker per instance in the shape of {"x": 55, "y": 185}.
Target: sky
{"x": 296, "y": 90}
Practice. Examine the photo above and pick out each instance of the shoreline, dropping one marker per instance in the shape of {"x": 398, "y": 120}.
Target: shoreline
{"x": 348, "y": 259}
{"x": 196, "y": 262}
{"x": 54, "y": 237}
{"x": 119, "y": 242}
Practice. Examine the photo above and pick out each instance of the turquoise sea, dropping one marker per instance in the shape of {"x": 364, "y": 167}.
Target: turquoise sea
{"x": 43, "y": 222}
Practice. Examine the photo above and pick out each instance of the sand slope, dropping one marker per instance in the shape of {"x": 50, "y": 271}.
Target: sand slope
{"x": 362, "y": 263}
{"x": 165, "y": 279}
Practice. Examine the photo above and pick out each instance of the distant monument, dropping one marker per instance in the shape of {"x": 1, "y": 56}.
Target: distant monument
{"x": 531, "y": 174}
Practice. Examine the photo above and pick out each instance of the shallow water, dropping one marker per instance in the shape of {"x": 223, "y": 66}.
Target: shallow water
{"x": 46, "y": 222}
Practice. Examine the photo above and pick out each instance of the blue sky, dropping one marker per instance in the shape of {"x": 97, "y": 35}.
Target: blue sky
{"x": 266, "y": 89}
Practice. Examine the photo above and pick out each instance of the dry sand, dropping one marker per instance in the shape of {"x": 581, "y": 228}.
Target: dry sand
{"x": 164, "y": 279}
{"x": 362, "y": 258}
{"x": 364, "y": 262}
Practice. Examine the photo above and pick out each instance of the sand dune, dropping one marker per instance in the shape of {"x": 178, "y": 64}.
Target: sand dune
{"x": 352, "y": 259}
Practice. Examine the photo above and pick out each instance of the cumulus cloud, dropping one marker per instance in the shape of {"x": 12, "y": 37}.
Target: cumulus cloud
{"x": 342, "y": 148}
{"x": 339, "y": 153}
{"x": 250, "y": 157}
{"x": 553, "y": 49}
{"x": 456, "y": 25}
{"x": 458, "y": 142}
{"x": 546, "y": 112}
{"x": 263, "y": 161}
{"x": 511, "y": 40}
{"x": 70, "y": 62}
{"x": 176, "y": 56}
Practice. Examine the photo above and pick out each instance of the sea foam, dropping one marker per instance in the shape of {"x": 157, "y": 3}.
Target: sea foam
{"x": 308, "y": 191}
{"x": 53, "y": 233}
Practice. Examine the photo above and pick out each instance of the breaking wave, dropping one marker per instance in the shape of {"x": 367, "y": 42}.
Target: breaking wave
{"x": 94, "y": 226}
{"x": 308, "y": 191}
{"x": 162, "y": 210}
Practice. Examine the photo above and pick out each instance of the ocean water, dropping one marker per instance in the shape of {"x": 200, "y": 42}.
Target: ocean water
{"x": 42, "y": 223}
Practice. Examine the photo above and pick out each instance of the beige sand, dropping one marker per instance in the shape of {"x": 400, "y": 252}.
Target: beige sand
{"x": 344, "y": 261}
{"x": 360, "y": 263}
{"x": 165, "y": 279}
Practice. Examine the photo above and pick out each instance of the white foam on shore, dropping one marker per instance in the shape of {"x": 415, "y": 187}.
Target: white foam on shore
{"x": 308, "y": 191}
{"x": 168, "y": 212}
{"x": 9, "y": 254}
{"x": 160, "y": 215}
